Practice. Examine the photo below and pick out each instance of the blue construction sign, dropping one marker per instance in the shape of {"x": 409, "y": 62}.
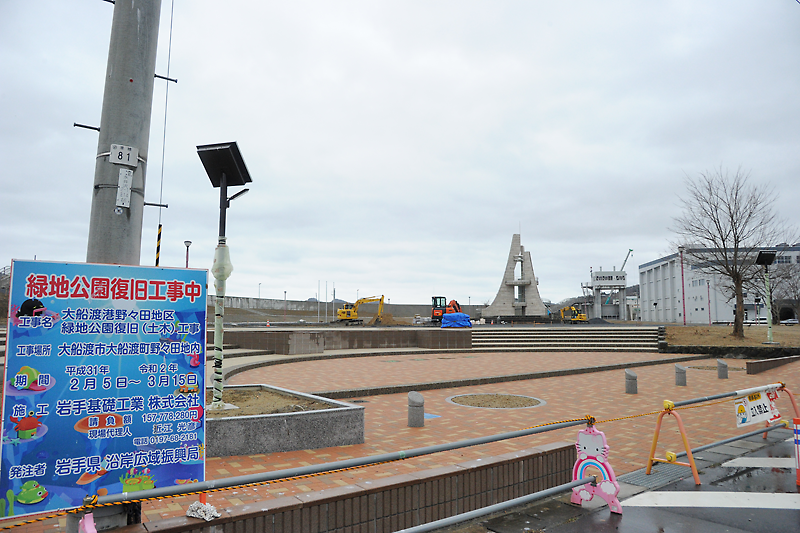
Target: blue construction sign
{"x": 104, "y": 383}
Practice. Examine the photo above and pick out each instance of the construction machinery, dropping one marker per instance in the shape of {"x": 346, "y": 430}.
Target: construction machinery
{"x": 622, "y": 269}
{"x": 571, "y": 315}
{"x": 349, "y": 312}
{"x": 440, "y": 308}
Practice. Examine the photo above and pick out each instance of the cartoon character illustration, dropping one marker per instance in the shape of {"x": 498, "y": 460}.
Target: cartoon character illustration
{"x": 133, "y": 481}
{"x": 26, "y": 427}
{"x": 31, "y": 307}
{"x": 89, "y": 477}
{"x": 773, "y": 395}
{"x": 593, "y": 453}
{"x": 32, "y": 380}
{"x": 30, "y": 492}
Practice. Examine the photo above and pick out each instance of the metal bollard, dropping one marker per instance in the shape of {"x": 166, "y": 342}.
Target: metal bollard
{"x": 631, "y": 386}
{"x": 680, "y": 375}
{"x": 722, "y": 369}
{"x": 416, "y": 410}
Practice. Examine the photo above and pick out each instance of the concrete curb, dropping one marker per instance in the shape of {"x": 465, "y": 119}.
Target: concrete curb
{"x": 736, "y": 352}
{"x": 397, "y": 389}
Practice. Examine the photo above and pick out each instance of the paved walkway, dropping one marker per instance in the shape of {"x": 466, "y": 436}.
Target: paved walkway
{"x": 598, "y": 394}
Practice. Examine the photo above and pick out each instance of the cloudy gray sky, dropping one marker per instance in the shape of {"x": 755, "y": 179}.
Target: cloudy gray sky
{"x": 395, "y": 147}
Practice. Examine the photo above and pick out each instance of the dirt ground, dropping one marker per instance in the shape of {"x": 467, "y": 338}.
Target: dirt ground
{"x": 495, "y": 401}
{"x": 787, "y": 336}
{"x": 261, "y": 402}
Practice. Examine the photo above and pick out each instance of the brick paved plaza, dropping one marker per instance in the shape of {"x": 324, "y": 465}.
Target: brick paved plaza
{"x": 600, "y": 394}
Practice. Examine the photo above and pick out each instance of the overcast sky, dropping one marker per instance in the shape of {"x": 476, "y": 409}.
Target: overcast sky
{"x": 396, "y": 147}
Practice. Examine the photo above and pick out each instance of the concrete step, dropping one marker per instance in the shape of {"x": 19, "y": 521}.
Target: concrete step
{"x": 568, "y": 339}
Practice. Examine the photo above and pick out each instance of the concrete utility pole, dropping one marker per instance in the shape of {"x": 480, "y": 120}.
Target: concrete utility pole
{"x": 115, "y": 225}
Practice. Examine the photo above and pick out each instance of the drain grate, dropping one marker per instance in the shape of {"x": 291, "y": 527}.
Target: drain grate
{"x": 661, "y": 474}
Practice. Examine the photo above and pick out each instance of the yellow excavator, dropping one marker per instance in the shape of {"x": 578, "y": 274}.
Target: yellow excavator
{"x": 349, "y": 312}
{"x": 572, "y": 315}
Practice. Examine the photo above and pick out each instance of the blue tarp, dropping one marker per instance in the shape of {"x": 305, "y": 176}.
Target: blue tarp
{"x": 456, "y": 320}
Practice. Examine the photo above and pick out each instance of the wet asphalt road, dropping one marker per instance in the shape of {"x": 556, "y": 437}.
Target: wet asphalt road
{"x": 746, "y": 486}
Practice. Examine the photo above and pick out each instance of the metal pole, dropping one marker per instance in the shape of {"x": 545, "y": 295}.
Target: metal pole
{"x": 221, "y": 269}
{"x": 708, "y": 300}
{"x": 115, "y": 231}
{"x": 742, "y": 392}
{"x": 158, "y": 246}
{"x": 327, "y": 467}
{"x": 477, "y": 513}
{"x": 732, "y": 439}
{"x": 683, "y": 287}
{"x": 769, "y": 305}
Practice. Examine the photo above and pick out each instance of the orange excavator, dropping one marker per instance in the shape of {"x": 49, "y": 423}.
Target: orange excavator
{"x": 440, "y": 308}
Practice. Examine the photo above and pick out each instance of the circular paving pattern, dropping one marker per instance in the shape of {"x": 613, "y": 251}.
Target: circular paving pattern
{"x": 495, "y": 401}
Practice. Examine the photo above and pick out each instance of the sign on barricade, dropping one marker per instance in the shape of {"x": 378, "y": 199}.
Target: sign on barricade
{"x": 756, "y": 407}
{"x": 104, "y": 383}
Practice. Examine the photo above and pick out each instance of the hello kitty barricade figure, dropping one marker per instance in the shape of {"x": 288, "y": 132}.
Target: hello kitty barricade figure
{"x": 593, "y": 452}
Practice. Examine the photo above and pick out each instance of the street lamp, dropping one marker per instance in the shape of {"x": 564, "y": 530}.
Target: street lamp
{"x": 683, "y": 286}
{"x": 225, "y": 167}
{"x": 187, "y": 244}
{"x": 766, "y": 258}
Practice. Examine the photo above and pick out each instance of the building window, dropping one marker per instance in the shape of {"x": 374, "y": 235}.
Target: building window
{"x": 783, "y": 259}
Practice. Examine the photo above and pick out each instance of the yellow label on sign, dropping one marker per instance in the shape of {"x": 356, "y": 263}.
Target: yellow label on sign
{"x": 753, "y": 397}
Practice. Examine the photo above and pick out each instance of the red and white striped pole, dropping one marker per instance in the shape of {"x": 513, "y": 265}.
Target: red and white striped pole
{"x": 797, "y": 449}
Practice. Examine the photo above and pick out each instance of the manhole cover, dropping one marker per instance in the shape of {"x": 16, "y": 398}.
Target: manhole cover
{"x": 495, "y": 401}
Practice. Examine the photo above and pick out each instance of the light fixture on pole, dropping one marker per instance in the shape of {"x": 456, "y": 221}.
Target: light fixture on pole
{"x": 225, "y": 167}
{"x": 766, "y": 258}
{"x": 187, "y": 244}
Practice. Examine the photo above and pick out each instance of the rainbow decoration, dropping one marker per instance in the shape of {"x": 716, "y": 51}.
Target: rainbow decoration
{"x": 593, "y": 452}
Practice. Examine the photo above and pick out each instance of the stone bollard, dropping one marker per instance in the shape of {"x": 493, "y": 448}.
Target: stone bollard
{"x": 680, "y": 375}
{"x": 416, "y": 410}
{"x": 631, "y": 386}
{"x": 722, "y": 369}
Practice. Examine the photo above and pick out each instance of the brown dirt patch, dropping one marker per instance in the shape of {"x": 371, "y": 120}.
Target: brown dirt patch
{"x": 495, "y": 401}
{"x": 262, "y": 402}
{"x": 787, "y": 336}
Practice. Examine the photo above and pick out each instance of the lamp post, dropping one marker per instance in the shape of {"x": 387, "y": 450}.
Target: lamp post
{"x": 225, "y": 167}
{"x": 187, "y": 244}
{"x": 683, "y": 287}
{"x": 766, "y": 258}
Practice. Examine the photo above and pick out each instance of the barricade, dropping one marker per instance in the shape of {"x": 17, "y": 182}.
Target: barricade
{"x": 669, "y": 409}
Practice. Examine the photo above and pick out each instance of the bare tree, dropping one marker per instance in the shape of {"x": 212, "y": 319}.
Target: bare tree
{"x": 725, "y": 222}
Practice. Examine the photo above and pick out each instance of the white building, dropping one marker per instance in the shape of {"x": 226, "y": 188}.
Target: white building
{"x": 665, "y": 295}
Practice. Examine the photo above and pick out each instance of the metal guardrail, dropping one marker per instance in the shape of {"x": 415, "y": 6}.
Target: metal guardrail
{"x": 743, "y": 392}
{"x": 477, "y": 513}
{"x": 325, "y": 467}
{"x": 734, "y": 439}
